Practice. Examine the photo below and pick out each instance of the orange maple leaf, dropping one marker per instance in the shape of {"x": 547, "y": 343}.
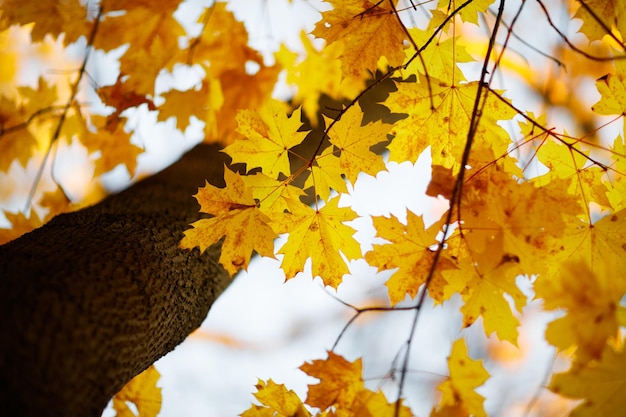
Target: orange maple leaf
{"x": 237, "y": 217}
{"x": 340, "y": 381}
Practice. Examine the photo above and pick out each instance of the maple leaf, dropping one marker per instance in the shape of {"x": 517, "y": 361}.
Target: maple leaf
{"x": 601, "y": 384}
{"x": 469, "y": 13}
{"x": 354, "y": 142}
{"x": 16, "y": 140}
{"x": 142, "y": 392}
{"x": 599, "y": 245}
{"x": 322, "y": 236}
{"x": 340, "y": 382}
{"x": 591, "y": 302}
{"x": 120, "y": 97}
{"x": 269, "y": 134}
{"x": 305, "y": 74}
{"x": 607, "y": 11}
{"x": 366, "y": 32}
{"x": 150, "y": 50}
{"x": 466, "y": 374}
{"x": 115, "y": 146}
{"x": 483, "y": 278}
{"x": 237, "y": 217}
{"x": 326, "y": 175}
{"x": 374, "y": 404}
{"x": 55, "y": 18}
{"x": 410, "y": 250}
{"x": 276, "y": 401}
{"x": 183, "y": 104}
{"x": 274, "y": 196}
{"x": 440, "y": 57}
{"x": 568, "y": 161}
{"x": 439, "y": 117}
{"x": 20, "y": 224}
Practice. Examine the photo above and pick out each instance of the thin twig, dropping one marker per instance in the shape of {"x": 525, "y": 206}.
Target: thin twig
{"x": 74, "y": 91}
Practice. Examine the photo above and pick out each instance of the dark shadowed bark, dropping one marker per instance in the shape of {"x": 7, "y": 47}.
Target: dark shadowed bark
{"x": 95, "y": 296}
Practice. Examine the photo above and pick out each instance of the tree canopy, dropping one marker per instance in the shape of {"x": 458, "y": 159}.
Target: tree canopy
{"x": 525, "y": 137}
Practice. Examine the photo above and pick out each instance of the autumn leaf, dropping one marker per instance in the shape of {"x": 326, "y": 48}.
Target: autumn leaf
{"x": 466, "y": 375}
{"x": 237, "y": 217}
{"x": 120, "y": 97}
{"x": 115, "y": 147}
{"x": 20, "y": 224}
{"x": 366, "y": 32}
{"x": 276, "y": 401}
{"x": 439, "y": 116}
{"x": 269, "y": 134}
{"x": 322, "y": 236}
{"x": 590, "y": 301}
{"x": 326, "y": 175}
{"x": 55, "y": 18}
{"x": 340, "y": 382}
{"x": 184, "y": 104}
{"x": 411, "y": 251}
{"x": 601, "y": 384}
{"x": 607, "y": 11}
{"x": 354, "y": 142}
{"x": 485, "y": 280}
{"x": 143, "y": 393}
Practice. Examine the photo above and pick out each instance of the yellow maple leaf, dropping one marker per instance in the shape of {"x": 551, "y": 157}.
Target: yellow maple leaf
{"x": 277, "y": 401}
{"x": 409, "y": 251}
{"x": 115, "y": 146}
{"x": 483, "y": 278}
{"x": 357, "y": 26}
{"x": 469, "y": 13}
{"x": 601, "y": 384}
{"x": 305, "y": 74}
{"x": 354, "y": 142}
{"x": 340, "y": 381}
{"x": 466, "y": 374}
{"x": 441, "y": 57}
{"x": 607, "y": 11}
{"x": 591, "y": 302}
{"x": 374, "y": 404}
{"x": 571, "y": 161}
{"x": 269, "y": 135}
{"x": 439, "y": 117}
{"x": 599, "y": 245}
{"x": 326, "y": 175}
{"x": 321, "y": 235}
{"x": 237, "y": 217}
{"x": 141, "y": 391}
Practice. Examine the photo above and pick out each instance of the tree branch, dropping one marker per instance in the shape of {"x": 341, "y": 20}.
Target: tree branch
{"x": 95, "y": 296}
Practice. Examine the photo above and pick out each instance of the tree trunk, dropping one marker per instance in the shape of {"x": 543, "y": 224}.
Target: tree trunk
{"x": 95, "y": 296}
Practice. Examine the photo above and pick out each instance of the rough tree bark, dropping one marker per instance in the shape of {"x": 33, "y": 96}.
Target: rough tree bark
{"x": 95, "y": 296}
